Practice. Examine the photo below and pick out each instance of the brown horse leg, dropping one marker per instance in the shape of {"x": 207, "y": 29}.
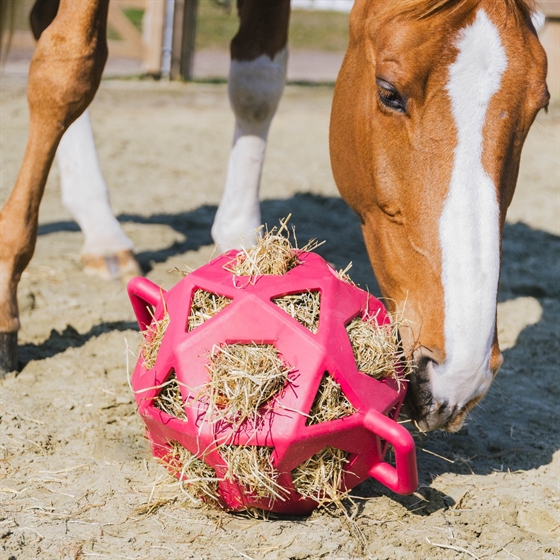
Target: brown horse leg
{"x": 63, "y": 77}
{"x": 107, "y": 252}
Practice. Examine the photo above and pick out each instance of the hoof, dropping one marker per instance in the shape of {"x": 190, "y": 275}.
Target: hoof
{"x": 244, "y": 238}
{"x": 120, "y": 266}
{"x": 8, "y": 353}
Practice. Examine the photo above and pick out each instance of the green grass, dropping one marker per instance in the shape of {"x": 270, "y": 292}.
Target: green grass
{"x": 215, "y": 26}
{"x": 323, "y": 31}
{"x": 135, "y": 16}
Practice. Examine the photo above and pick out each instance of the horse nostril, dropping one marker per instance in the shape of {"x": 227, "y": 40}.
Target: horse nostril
{"x": 441, "y": 408}
{"x": 418, "y": 401}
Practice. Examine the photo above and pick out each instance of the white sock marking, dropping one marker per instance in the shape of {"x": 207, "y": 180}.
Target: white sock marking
{"x": 84, "y": 191}
{"x": 255, "y": 88}
{"x": 469, "y": 225}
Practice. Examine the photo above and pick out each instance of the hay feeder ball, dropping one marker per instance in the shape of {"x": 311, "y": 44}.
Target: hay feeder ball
{"x": 253, "y": 393}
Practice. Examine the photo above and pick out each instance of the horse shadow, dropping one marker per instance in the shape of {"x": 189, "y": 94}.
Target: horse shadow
{"x": 328, "y": 219}
{"x": 510, "y": 429}
{"x": 59, "y": 342}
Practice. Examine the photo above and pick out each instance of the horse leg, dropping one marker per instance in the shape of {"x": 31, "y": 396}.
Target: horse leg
{"x": 259, "y": 55}
{"x": 107, "y": 251}
{"x": 64, "y": 74}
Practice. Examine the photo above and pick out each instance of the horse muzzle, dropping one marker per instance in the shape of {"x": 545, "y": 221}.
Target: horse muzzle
{"x": 434, "y": 412}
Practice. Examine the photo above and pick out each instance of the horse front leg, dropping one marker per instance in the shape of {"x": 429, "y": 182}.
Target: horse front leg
{"x": 107, "y": 251}
{"x": 64, "y": 74}
{"x": 259, "y": 56}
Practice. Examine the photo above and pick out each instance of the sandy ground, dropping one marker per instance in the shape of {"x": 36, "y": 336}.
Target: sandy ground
{"x": 75, "y": 469}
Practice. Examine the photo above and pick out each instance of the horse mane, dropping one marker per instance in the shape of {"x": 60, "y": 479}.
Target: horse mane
{"x": 423, "y": 9}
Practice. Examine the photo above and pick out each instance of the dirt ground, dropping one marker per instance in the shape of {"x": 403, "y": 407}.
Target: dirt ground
{"x": 75, "y": 468}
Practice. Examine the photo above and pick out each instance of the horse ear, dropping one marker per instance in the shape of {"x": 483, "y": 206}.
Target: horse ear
{"x": 538, "y": 19}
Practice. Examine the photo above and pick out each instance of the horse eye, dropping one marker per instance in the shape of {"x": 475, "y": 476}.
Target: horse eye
{"x": 390, "y": 97}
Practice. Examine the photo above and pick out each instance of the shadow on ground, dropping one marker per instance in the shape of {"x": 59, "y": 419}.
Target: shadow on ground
{"x": 69, "y": 338}
{"x": 324, "y": 218}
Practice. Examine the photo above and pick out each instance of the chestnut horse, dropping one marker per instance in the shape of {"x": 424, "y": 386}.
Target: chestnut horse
{"x": 431, "y": 109}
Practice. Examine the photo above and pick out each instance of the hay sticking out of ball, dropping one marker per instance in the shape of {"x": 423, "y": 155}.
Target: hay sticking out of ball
{"x": 303, "y": 307}
{"x": 342, "y": 274}
{"x": 169, "y": 399}
{"x": 251, "y": 467}
{"x": 204, "y": 306}
{"x": 377, "y": 349}
{"x": 320, "y": 477}
{"x": 330, "y": 403}
{"x": 243, "y": 378}
{"x": 198, "y": 480}
{"x": 152, "y": 338}
{"x": 273, "y": 254}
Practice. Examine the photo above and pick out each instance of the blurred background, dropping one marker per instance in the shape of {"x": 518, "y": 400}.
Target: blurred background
{"x": 189, "y": 39}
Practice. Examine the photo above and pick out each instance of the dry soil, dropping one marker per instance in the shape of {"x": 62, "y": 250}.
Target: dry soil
{"x": 75, "y": 469}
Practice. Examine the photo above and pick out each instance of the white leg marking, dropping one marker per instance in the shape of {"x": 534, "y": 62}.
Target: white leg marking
{"x": 469, "y": 225}
{"x": 84, "y": 191}
{"x": 255, "y": 88}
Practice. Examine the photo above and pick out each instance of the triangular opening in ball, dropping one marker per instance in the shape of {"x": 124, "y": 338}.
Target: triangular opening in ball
{"x": 377, "y": 348}
{"x": 321, "y": 477}
{"x": 152, "y": 338}
{"x": 204, "y": 306}
{"x": 330, "y": 402}
{"x": 169, "y": 399}
{"x": 251, "y": 467}
{"x": 304, "y": 307}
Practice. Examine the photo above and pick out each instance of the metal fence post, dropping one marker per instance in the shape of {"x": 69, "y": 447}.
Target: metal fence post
{"x": 184, "y": 38}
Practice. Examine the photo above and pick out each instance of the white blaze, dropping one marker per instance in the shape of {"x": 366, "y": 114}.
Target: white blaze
{"x": 255, "y": 89}
{"x": 84, "y": 191}
{"x": 469, "y": 225}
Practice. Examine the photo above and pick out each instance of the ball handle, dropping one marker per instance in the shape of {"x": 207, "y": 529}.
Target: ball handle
{"x": 403, "y": 478}
{"x": 144, "y": 296}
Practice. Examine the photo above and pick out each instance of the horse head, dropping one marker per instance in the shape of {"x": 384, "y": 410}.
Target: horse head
{"x": 431, "y": 109}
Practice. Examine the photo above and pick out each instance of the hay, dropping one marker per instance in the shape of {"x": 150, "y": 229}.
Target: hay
{"x": 204, "y": 306}
{"x": 251, "y": 467}
{"x": 320, "y": 477}
{"x": 377, "y": 348}
{"x": 303, "y": 307}
{"x": 273, "y": 254}
{"x": 330, "y": 403}
{"x": 342, "y": 274}
{"x": 169, "y": 399}
{"x": 198, "y": 480}
{"x": 243, "y": 378}
{"x": 152, "y": 338}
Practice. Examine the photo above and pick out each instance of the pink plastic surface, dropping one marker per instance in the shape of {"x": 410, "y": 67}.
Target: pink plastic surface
{"x": 252, "y": 317}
